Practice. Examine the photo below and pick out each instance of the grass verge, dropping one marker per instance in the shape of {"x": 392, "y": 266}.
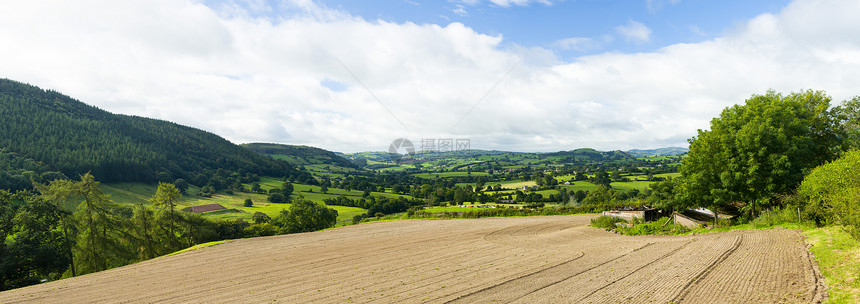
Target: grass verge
{"x": 198, "y": 246}
{"x": 838, "y": 257}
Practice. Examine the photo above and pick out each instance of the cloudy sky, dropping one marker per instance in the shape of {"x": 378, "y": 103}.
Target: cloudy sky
{"x": 350, "y": 76}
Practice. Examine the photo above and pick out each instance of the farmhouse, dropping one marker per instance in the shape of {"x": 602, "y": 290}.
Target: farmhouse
{"x": 628, "y": 213}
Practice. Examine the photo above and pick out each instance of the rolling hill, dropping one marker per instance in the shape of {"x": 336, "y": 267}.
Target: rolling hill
{"x": 300, "y": 155}
{"x": 670, "y": 151}
{"x": 589, "y": 155}
{"x": 48, "y": 131}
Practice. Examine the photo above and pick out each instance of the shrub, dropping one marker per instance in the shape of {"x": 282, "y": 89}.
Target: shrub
{"x": 248, "y": 203}
{"x": 277, "y": 198}
{"x": 776, "y": 216}
{"x": 261, "y": 229}
{"x": 833, "y": 191}
{"x": 606, "y": 222}
{"x": 660, "y": 226}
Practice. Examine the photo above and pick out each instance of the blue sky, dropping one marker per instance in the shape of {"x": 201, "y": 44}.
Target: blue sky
{"x": 515, "y": 75}
{"x": 543, "y": 25}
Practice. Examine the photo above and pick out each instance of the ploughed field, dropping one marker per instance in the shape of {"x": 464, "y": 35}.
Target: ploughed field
{"x": 556, "y": 259}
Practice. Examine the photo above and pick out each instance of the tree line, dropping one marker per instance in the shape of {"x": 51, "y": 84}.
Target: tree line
{"x": 794, "y": 151}
{"x": 42, "y": 240}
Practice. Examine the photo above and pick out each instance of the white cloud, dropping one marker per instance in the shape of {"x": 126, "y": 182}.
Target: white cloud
{"x": 634, "y": 31}
{"x": 579, "y": 44}
{"x": 279, "y": 79}
{"x": 506, "y": 3}
{"x": 460, "y": 11}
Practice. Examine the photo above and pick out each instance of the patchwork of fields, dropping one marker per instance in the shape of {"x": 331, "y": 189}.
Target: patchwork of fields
{"x": 556, "y": 259}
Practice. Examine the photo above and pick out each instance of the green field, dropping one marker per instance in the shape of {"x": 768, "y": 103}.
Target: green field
{"x": 450, "y": 174}
{"x": 136, "y": 193}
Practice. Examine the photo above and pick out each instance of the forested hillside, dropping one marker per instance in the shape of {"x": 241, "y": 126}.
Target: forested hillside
{"x": 590, "y": 155}
{"x": 300, "y": 155}
{"x": 44, "y": 131}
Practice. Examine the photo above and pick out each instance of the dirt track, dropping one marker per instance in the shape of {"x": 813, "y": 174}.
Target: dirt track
{"x": 555, "y": 259}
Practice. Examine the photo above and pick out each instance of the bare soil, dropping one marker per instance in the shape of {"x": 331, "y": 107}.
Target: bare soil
{"x": 557, "y": 259}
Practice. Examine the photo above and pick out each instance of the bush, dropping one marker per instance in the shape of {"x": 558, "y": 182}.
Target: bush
{"x": 833, "y": 191}
{"x": 606, "y": 222}
{"x": 260, "y": 218}
{"x": 277, "y": 198}
{"x": 776, "y": 216}
{"x": 660, "y": 226}
{"x": 261, "y": 229}
{"x": 248, "y": 203}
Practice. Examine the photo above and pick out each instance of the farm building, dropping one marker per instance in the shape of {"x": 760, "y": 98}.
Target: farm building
{"x": 205, "y": 208}
{"x": 687, "y": 221}
{"x": 643, "y": 213}
{"x": 699, "y": 217}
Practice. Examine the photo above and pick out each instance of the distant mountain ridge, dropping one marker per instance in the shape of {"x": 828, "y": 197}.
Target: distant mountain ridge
{"x": 588, "y": 154}
{"x": 69, "y": 136}
{"x": 300, "y": 155}
{"x": 669, "y": 151}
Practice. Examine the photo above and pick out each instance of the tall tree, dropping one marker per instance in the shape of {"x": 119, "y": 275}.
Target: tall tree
{"x": 164, "y": 199}
{"x": 143, "y": 226}
{"x": 101, "y": 233}
{"x": 760, "y": 149}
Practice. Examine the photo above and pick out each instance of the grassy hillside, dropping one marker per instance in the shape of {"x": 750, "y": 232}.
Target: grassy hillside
{"x": 72, "y": 137}
{"x": 136, "y": 193}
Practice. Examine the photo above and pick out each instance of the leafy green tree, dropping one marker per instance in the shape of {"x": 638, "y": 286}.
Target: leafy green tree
{"x": 39, "y": 249}
{"x": 181, "y": 184}
{"x": 600, "y": 195}
{"x": 849, "y": 116}
{"x": 662, "y": 195}
{"x": 833, "y": 190}
{"x": 305, "y": 216}
{"x": 260, "y": 218}
{"x": 287, "y": 189}
{"x": 601, "y": 178}
{"x": 248, "y": 203}
{"x": 41, "y": 246}
{"x": 756, "y": 151}
{"x": 277, "y": 198}
{"x": 255, "y": 188}
{"x": 196, "y": 229}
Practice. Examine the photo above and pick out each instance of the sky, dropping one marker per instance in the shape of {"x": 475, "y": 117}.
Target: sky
{"x": 513, "y": 75}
